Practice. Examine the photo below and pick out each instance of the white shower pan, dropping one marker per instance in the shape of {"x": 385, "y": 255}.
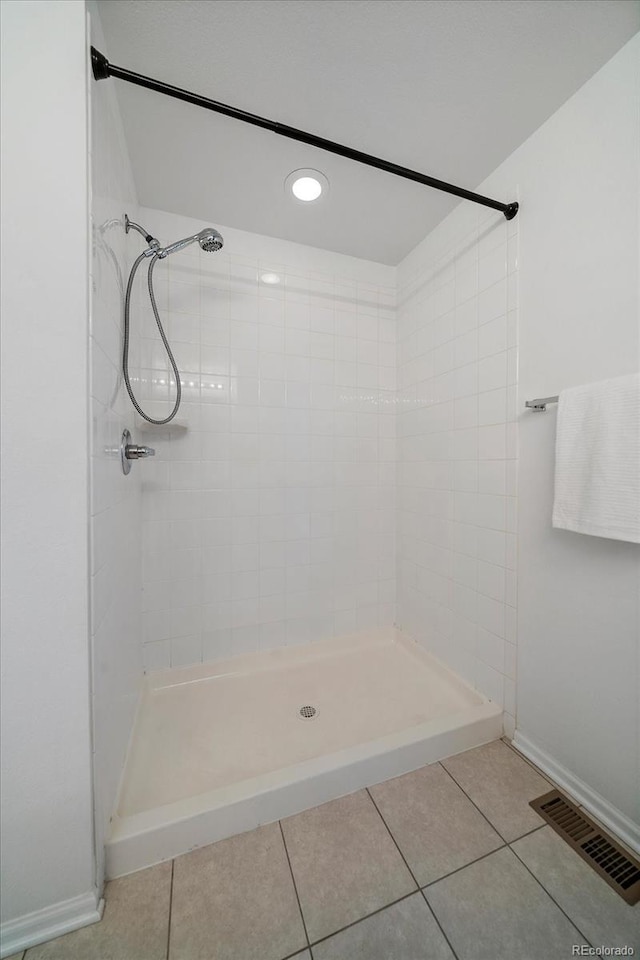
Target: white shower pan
{"x": 222, "y": 747}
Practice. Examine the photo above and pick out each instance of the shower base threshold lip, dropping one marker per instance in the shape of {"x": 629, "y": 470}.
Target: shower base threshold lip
{"x": 140, "y": 838}
{"x": 306, "y": 771}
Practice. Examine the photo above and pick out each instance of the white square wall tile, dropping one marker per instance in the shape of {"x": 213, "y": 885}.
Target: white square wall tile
{"x": 492, "y": 477}
{"x": 465, "y": 348}
{"x": 490, "y": 511}
{"x": 465, "y": 475}
{"x": 156, "y": 656}
{"x": 466, "y": 412}
{"x": 490, "y": 649}
{"x": 185, "y": 651}
{"x": 465, "y": 570}
{"x": 492, "y": 372}
{"x": 491, "y": 546}
{"x": 491, "y": 615}
{"x": 492, "y": 267}
{"x": 480, "y": 463}
{"x": 492, "y": 407}
{"x": 492, "y": 302}
{"x": 492, "y": 337}
{"x": 492, "y": 441}
{"x": 490, "y": 682}
{"x": 491, "y": 580}
{"x": 466, "y": 317}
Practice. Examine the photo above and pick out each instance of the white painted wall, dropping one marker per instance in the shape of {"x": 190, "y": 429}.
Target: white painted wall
{"x": 270, "y": 520}
{"x": 578, "y": 596}
{"x": 116, "y": 514}
{"x": 47, "y": 829}
{"x": 457, "y": 466}
{"x": 578, "y": 623}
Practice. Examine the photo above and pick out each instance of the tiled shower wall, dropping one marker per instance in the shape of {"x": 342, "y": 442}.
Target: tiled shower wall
{"x": 115, "y": 522}
{"x": 269, "y": 509}
{"x": 457, "y": 456}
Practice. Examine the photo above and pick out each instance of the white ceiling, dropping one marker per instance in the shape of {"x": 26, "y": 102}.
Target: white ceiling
{"x": 447, "y": 87}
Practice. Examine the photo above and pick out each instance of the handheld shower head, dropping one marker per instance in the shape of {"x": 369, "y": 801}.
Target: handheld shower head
{"x": 209, "y": 239}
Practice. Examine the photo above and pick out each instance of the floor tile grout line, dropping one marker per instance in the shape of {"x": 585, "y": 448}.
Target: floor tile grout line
{"x": 173, "y": 865}
{"x": 506, "y": 843}
{"x": 562, "y": 790}
{"x": 295, "y": 887}
{"x": 530, "y": 763}
{"x": 413, "y": 877}
{"x": 481, "y": 812}
{"x": 291, "y": 956}
{"x": 545, "y": 776}
{"x": 354, "y": 923}
{"x": 395, "y": 842}
{"x": 440, "y": 927}
{"x": 406, "y": 896}
{"x": 452, "y": 873}
{"x": 551, "y": 897}
{"x": 528, "y": 833}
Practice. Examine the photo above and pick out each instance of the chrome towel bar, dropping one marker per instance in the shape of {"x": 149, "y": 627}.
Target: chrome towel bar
{"x": 540, "y": 404}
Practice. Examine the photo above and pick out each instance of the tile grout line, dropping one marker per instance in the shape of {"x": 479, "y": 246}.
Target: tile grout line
{"x": 494, "y": 828}
{"x": 395, "y": 842}
{"x": 295, "y": 888}
{"x": 413, "y": 892}
{"x": 551, "y": 897}
{"x": 572, "y": 797}
{"x": 354, "y": 923}
{"x": 509, "y": 846}
{"x": 292, "y": 956}
{"x": 528, "y": 833}
{"x": 562, "y": 790}
{"x": 173, "y": 864}
{"x": 530, "y": 763}
{"x": 464, "y": 866}
{"x": 429, "y": 907}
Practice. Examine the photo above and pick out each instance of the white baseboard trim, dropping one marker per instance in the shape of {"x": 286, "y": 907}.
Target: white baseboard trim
{"x": 618, "y": 822}
{"x": 50, "y": 922}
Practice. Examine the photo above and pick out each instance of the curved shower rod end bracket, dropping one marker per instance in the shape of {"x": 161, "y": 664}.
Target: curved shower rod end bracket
{"x": 99, "y": 65}
{"x": 511, "y": 211}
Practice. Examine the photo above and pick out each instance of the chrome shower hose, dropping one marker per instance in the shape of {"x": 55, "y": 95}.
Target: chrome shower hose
{"x": 125, "y": 351}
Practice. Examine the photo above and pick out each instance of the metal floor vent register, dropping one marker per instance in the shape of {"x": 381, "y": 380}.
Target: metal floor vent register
{"x": 592, "y": 843}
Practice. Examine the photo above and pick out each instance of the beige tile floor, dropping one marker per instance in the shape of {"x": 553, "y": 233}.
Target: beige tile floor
{"x": 446, "y": 862}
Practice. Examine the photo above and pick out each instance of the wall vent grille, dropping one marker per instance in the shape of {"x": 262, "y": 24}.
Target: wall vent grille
{"x": 592, "y": 843}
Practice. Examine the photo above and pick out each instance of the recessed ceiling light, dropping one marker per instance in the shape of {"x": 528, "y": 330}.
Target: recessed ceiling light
{"x": 270, "y": 278}
{"x": 307, "y": 186}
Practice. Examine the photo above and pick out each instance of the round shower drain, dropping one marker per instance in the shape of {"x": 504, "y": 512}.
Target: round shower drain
{"x": 307, "y": 713}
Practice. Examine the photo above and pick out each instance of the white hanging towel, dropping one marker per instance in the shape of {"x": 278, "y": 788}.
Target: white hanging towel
{"x": 597, "y": 484}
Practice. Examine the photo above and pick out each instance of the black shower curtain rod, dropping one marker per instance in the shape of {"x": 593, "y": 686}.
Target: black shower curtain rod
{"x": 102, "y": 69}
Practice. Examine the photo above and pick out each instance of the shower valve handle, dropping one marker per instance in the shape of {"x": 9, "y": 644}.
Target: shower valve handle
{"x": 134, "y": 451}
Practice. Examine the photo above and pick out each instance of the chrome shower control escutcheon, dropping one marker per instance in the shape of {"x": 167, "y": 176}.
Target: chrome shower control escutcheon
{"x": 132, "y": 451}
